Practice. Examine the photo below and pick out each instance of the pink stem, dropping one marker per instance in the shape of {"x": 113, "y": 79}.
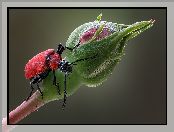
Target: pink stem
{"x": 24, "y": 109}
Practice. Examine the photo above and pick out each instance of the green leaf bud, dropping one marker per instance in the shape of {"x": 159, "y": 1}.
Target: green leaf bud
{"x": 104, "y": 49}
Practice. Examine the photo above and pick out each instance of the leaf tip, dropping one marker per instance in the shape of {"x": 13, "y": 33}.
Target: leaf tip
{"x": 99, "y": 17}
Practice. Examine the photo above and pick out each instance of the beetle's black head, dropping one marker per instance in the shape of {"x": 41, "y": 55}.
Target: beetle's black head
{"x": 60, "y": 49}
{"x": 65, "y": 66}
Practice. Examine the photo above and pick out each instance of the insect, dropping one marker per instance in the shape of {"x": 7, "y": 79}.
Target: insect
{"x": 39, "y": 67}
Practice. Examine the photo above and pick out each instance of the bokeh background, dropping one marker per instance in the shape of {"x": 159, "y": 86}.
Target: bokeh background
{"x": 134, "y": 94}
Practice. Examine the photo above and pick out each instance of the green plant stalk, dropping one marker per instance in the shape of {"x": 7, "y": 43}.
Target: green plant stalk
{"x": 50, "y": 94}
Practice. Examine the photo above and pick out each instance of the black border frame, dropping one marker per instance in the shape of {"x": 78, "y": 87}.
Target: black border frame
{"x": 8, "y": 8}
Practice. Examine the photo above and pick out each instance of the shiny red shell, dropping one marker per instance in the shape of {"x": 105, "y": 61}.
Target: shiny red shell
{"x": 38, "y": 64}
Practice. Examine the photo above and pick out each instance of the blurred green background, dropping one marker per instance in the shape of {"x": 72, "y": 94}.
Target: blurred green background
{"x": 134, "y": 94}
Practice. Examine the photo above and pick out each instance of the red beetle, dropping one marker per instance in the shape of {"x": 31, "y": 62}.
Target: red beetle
{"x": 39, "y": 67}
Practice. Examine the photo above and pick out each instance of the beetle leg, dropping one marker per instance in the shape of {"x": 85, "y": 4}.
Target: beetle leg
{"x": 75, "y": 62}
{"x": 31, "y": 85}
{"x": 55, "y": 83}
{"x": 65, "y": 93}
{"x": 39, "y": 90}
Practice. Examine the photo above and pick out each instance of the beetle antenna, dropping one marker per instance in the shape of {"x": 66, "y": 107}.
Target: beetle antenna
{"x": 71, "y": 49}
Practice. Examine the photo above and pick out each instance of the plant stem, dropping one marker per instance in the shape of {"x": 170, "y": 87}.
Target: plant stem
{"x": 36, "y": 101}
{"x": 27, "y": 107}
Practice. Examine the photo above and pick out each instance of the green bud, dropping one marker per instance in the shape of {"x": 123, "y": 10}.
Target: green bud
{"x": 105, "y": 53}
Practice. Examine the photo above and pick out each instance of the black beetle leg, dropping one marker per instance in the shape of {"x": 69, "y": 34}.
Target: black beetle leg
{"x": 40, "y": 90}
{"x": 55, "y": 83}
{"x": 65, "y": 93}
{"x": 31, "y": 86}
